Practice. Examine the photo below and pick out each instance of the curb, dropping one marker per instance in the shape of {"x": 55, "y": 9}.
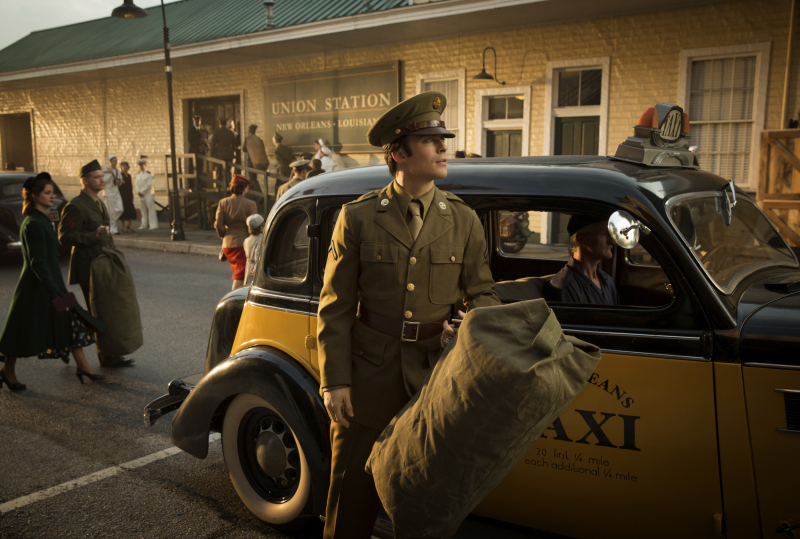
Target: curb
{"x": 168, "y": 246}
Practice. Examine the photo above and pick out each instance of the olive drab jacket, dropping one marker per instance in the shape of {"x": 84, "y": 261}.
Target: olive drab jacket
{"x": 78, "y": 229}
{"x": 373, "y": 259}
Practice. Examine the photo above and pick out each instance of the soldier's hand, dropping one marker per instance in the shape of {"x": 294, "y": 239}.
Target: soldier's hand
{"x": 449, "y": 330}
{"x": 335, "y": 401}
{"x": 100, "y": 231}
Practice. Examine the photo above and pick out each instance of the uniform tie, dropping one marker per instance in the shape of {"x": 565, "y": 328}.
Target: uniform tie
{"x": 415, "y": 223}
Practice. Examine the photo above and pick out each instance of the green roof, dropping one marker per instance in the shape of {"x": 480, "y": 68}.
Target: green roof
{"x": 189, "y": 21}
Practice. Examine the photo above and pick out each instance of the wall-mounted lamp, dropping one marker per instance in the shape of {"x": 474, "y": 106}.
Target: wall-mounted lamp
{"x": 483, "y": 75}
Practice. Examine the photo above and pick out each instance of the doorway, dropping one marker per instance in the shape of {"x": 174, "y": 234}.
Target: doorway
{"x": 577, "y": 135}
{"x": 505, "y": 143}
{"x": 16, "y": 141}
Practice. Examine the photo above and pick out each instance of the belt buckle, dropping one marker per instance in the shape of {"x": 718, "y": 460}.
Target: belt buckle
{"x": 415, "y": 325}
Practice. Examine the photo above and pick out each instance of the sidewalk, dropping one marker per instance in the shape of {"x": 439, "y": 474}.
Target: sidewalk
{"x": 200, "y": 242}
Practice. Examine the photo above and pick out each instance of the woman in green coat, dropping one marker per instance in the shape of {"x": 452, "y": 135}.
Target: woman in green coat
{"x": 34, "y": 327}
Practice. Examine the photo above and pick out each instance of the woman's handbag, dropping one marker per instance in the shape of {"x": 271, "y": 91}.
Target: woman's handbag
{"x": 62, "y": 304}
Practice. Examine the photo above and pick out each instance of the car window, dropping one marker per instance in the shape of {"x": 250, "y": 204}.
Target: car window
{"x": 532, "y": 247}
{"x": 8, "y": 221}
{"x": 289, "y": 248}
{"x": 12, "y": 189}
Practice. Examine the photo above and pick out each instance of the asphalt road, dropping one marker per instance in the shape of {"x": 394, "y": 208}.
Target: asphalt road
{"x": 59, "y": 431}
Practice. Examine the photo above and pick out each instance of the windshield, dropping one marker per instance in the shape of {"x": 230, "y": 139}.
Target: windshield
{"x": 727, "y": 253}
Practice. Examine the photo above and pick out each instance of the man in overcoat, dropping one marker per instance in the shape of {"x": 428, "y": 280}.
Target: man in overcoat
{"x": 195, "y": 141}
{"x": 399, "y": 259}
{"x": 256, "y": 152}
{"x": 223, "y": 145}
{"x": 283, "y": 158}
{"x": 84, "y": 227}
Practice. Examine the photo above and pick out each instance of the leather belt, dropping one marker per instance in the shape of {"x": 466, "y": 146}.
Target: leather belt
{"x": 407, "y": 331}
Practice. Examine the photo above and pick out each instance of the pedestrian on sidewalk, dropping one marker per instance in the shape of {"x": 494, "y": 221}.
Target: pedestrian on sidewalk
{"x": 84, "y": 226}
{"x": 231, "y": 226}
{"x": 144, "y": 188}
{"x": 44, "y": 319}
{"x": 255, "y": 226}
{"x": 111, "y": 196}
{"x": 126, "y": 192}
{"x": 299, "y": 172}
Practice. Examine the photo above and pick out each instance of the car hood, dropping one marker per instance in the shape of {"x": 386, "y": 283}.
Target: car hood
{"x": 770, "y": 332}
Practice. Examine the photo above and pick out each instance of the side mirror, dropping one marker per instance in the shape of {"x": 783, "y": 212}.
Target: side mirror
{"x": 624, "y": 229}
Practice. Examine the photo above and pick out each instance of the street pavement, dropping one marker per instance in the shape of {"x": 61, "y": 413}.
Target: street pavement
{"x": 59, "y": 431}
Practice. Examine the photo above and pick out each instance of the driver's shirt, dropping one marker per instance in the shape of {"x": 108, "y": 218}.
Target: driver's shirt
{"x": 576, "y": 287}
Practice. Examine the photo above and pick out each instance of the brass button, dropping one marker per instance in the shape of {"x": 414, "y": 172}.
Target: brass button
{"x": 452, "y": 259}
{"x": 408, "y": 314}
{"x": 379, "y": 257}
{"x": 412, "y": 260}
{"x": 410, "y": 287}
{"x": 397, "y": 131}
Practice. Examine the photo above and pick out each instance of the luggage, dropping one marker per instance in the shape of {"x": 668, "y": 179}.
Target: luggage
{"x": 508, "y": 374}
{"x": 112, "y": 295}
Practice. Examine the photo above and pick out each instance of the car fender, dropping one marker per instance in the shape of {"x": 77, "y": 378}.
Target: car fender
{"x": 275, "y": 377}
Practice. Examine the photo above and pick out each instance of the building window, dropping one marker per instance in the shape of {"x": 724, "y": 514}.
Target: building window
{"x": 503, "y": 121}
{"x": 453, "y": 85}
{"x": 723, "y": 89}
{"x": 576, "y": 107}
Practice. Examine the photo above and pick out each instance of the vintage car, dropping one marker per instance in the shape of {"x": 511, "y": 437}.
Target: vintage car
{"x": 690, "y": 426}
{"x": 11, "y": 208}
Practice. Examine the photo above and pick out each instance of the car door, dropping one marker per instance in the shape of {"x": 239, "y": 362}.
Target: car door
{"x": 636, "y": 453}
{"x": 279, "y": 302}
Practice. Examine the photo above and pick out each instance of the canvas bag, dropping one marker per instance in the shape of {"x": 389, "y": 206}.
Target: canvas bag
{"x": 508, "y": 374}
{"x": 112, "y": 295}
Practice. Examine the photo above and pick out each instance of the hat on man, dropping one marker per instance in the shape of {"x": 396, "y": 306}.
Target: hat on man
{"x": 418, "y": 115}
{"x": 196, "y": 117}
{"x": 579, "y": 221}
{"x": 238, "y": 178}
{"x": 90, "y": 167}
{"x": 255, "y": 221}
{"x": 301, "y": 163}
{"x": 278, "y": 136}
{"x": 141, "y": 162}
{"x": 111, "y": 156}
{"x": 253, "y": 128}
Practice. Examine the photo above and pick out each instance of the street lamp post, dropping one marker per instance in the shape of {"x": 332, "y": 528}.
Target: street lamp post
{"x": 128, "y": 10}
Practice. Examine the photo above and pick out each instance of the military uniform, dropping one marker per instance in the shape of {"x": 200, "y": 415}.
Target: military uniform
{"x": 403, "y": 289}
{"x": 283, "y": 158}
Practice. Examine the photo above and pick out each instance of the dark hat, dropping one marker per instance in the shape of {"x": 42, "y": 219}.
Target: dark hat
{"x": 90, "y": 167}
{"x": 278, "y": 136}
{"x": 252, "y": 128}
{"x": 196, "y": 117}
{"x": 418, "y": 115}
{"x": 30, "y": 182}
{"x": 300, "y": 163}
{"x": 579, "y": 221}
{"x": 238, "y": 178}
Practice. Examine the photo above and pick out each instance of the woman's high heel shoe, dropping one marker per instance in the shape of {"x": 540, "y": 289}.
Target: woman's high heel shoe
{"x": 80, "y": 373}
{"x": 16, "y": 386}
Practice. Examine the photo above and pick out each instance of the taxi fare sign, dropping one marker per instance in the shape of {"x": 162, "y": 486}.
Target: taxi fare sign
{"x": 338, "y": 106}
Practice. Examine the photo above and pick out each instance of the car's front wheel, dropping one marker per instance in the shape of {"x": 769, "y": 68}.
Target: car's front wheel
{"x": 267, "y": 465}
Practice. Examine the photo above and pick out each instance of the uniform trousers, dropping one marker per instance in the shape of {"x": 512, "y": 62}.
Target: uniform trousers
{"x": 149, "y": 216}
{"x": 115, "y": 208}
{"x": 353, "y": 501}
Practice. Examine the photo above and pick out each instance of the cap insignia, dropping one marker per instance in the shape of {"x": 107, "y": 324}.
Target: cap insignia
{"x": 385, "y": 202}
{"x": 437, "y": 102}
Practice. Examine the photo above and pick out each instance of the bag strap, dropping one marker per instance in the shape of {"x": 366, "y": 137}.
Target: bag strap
{"x": 549, "y": 335}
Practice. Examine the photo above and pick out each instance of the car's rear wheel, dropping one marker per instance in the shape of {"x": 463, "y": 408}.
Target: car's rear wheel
{"x": 267, "y": 465}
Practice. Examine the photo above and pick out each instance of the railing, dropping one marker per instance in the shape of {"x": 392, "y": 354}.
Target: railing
{"x": 779, "y": 181}
{"x": 201, "y": 191}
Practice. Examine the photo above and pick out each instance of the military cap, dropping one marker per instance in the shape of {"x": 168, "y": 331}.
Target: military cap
{"x": 418, "y": 115}
{"x": 278, "y": 136}
{"x": 579, "y": 221}
{"x": 141, "y": 162}
{"x": 90, "y": 167}
{"x": 301, "y": 163}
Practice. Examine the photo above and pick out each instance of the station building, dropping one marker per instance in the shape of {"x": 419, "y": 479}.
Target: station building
{"x": 560, "y": 77}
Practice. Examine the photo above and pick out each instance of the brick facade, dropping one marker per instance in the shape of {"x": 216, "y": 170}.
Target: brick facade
{"x": 74, "y": 124}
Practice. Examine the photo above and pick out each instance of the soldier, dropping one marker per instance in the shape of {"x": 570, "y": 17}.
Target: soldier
{"x": 84, "y": 225}
{"x": 400, "y": 257}
{"x": 299, "y": 173}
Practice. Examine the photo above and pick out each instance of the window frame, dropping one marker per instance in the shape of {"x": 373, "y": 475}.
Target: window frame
{"x": 459, "y": 75}
{"x": 552, "y": 111}
{"x": 762, "y": 53}
{"x": 483, "y": 124}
